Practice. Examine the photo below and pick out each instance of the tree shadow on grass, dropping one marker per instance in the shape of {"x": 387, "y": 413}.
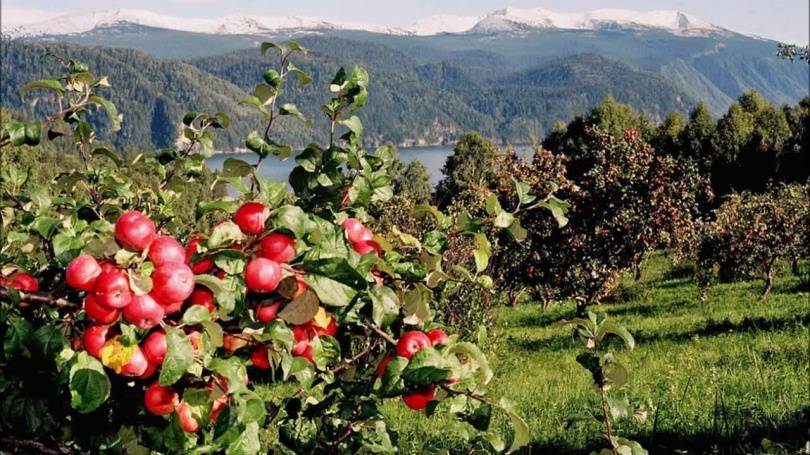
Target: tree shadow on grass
{"x": 792, "y": 433}
{"x": 708, "y": 329}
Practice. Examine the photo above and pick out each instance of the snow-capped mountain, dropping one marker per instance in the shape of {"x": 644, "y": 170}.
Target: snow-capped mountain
{"x": 22, "y": 23}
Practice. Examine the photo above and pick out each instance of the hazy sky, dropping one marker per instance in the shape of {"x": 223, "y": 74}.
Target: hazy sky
{"x": 784, "y": 20}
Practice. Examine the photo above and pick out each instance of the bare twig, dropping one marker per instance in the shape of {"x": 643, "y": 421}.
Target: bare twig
{"x": 28, "y": 299}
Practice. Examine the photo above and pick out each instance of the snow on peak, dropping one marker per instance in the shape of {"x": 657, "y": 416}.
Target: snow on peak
{"x": 510, "y": 19}
{"x": 22, "y": 22}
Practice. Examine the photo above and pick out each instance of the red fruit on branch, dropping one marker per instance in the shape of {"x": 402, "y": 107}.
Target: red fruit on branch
{"x": 150, "y": 370}
{"x": 220, "y": 403}
{"x": 201, "y": 266}
{"x": 203, "y": 296}
{"x": 267, "y": 313}
{"x": 94, "y": 338}
{"x": 99, "y": 313}
{"x": 262, "y": 275}
{"x": 154, "y": 347}
{"x": 82, "y": 273}
{"x": 259, "y": 357}
{"x": 165, "y": 249}
{"x": 356, "y": 231}
{"x": 195, "y": 338}
{"x": 135, "y": 230}
{"x": 22, "y": 281}
{"x": 383, "y": 365}
{"x": 160, "y": 400}
{"x": 278, "y": 247}
{"x": 172, "y": 282}
{"x": 112, "y": 288}
{"x": 367, "y": 246}
{"x": 231, "y": 343}
{"x": 171, "y": 308}
{"x": 411, "y": 342}
{"x": 143, "y": 312}
{"x": 251, "y": 216}
{"x": 438, "y": 337}
{"x": 419, "y": 399}
{"x": 186, "y": 417}
{"x": 137, "y": 364}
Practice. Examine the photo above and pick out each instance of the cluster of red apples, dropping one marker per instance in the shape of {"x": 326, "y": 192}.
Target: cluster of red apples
{"x": 407, "y": 346}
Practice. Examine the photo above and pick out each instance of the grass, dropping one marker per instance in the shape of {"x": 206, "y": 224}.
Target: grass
{"x": 726, "y": 375}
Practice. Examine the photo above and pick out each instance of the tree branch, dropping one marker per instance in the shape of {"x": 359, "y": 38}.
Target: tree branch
{"x": 382, "y": 334}
{"x": 31, "y": 446}
{"x": 27, "y": 299}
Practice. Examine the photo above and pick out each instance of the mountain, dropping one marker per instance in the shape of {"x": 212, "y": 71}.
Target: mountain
{"x": 511, "y": 74}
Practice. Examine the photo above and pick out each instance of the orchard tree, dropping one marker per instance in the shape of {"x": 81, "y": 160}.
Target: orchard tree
{"x": 120, "y": 336}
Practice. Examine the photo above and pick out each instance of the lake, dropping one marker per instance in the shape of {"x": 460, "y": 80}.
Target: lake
{"x": 433, "y": 158}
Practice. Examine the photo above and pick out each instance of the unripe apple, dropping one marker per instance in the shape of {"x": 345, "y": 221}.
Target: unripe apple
{"x": 22, "y": 281}
{"x": 154, "y": 347}
{"x": 383, "y": 365}
{"x": 231, "y": 343}
{"x": 172, "y": 282}
{"x": 412, "y": 342}
{"x": 160, "y": 400}
{"x": 112, "y": 288}
{"x": 82, "y": 272}
{"x": 251, "y": 216}
{"x": 135, "y": 230}
{"x": 419, "y": 399}
{"x": 356, "y": 231}
{"x": 259, "y": 357}
{"x": 186, "y": 417}
{"x": 137, "y": 364}
{"x": 143, "y": 312}
{"x": 367, "y": 246}
{"x": 438, "y": 337}
{"x": 267, "y": 313}
{"x": 278, "y": 247}
{"x": 203, "y": 265}
{"x": 171, "y": 308}
{"x": 99, "y": 313}
{"x": 94, "y": 338}
{"x": 262, "y": 275}
{"x": 165, "y": 249}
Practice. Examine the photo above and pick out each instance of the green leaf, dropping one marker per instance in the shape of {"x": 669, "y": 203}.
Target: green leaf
{"x": 385, "y": 306}
{"x": 482, "y": 252}
{"x": 263, "y": 148}
{"x": 522, "y": 190}
{"x": 392, "y": 383}
{"x": 334, "y": 280}
{"x": 89, "y": 384}
{"x": 558, "y": 209}
{"x": 18, "y": 333}
{"x": 425, "y": 368}
{"x": 416, "y": 305}
{"x": 492, "y": 205}
{"x": 301, "y": 310}
{"x": 472, "y": 353}
{"x": 247, "y": 443}
{"x": 225, "y": 234}
{"x": 325, "y": 351}
{"x": 195, "y": 314}
{"x": 271, "y": 192}
{"x": 504, "y": 220}
{"x": 291, "y": 109}
{"x": 610, "y": 327}
{"x": 46, "y": 84}
{"x": 519, "y": 427}
{"x": 204, "y": 207}
{"x": 292, "y": 218}
{"x": 354, "y": 125}
{"x": 233, "y": 167}
{"x": 179, "y": 356}
{"x": 265, "y": 46}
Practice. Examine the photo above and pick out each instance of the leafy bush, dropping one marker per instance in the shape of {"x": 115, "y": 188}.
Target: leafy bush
{"x": 752, "y": 233}
{"x": 290, "y": 290}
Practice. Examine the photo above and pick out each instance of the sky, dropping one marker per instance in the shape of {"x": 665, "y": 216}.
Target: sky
{"x": 783, "y": 20}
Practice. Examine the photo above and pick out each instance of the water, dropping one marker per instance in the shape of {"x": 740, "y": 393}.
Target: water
{"x": 432, "y": 157}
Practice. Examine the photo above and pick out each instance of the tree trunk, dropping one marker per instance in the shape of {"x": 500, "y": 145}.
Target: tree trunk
{"x": 768, "y": 280}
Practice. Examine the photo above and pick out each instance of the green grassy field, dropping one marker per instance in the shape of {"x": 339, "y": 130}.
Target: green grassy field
{"x": 722, "y": 374}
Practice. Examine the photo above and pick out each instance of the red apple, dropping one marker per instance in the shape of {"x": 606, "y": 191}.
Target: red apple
{"x": 278, "y": 247}
{"x": 356, "y": 231}
{"x": 251, "y": 216}
{"x": 203, "y": 265}
{"x": 267, "y": 313}
{"x": 437, "y": 337}
{"x": 171, "y": 308}
{"x": 94, "y": 338}
{"x": 231, "y": 343}
{"x": 220, "y": 403}
{"x": 160, "y": 400}
{"x": 195, "y": 338}
{"x": 306, "y": 352}
{"x": 144, "y": 312}
{"x": 203, "y": 296}
{"x": 137, "y": 364}
{"x": 419, "y": 399}
{"x": 23, "y": 282}
{"x": 165, "y": 249}
{"x": 383, "y": 365}
{"x": 259, "y": 357}
{"x": 112, "y": 288}
{"x": 367, "y": 246}
{"x": 150, "y": 370}
{"x": 412, "y": 342}
{"x": 135, "y": 230}
{"x": 99, "y": 313}
{"x": 172, "y": 282}
{"x": 82, "y": 272}
{"x": 186, "y": 417}
{"x": 262, "y": 275}
{"x": 106, "y": 265}
{"x": 154, "y": 347}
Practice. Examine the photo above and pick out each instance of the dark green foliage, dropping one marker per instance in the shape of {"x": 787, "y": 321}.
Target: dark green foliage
{"x": 467, "y": 170}
{"x": 414, "y": 182}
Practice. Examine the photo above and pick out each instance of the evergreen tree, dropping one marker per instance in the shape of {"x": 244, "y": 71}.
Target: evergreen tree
{"x": 468, "y": 169}
{"x": 414, "y": 182}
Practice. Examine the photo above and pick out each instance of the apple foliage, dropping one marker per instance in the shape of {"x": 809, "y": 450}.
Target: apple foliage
{"x": 290, "y": 291}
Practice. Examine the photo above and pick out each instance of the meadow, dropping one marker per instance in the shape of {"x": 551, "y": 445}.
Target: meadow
{"x": 724, "y": 375}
